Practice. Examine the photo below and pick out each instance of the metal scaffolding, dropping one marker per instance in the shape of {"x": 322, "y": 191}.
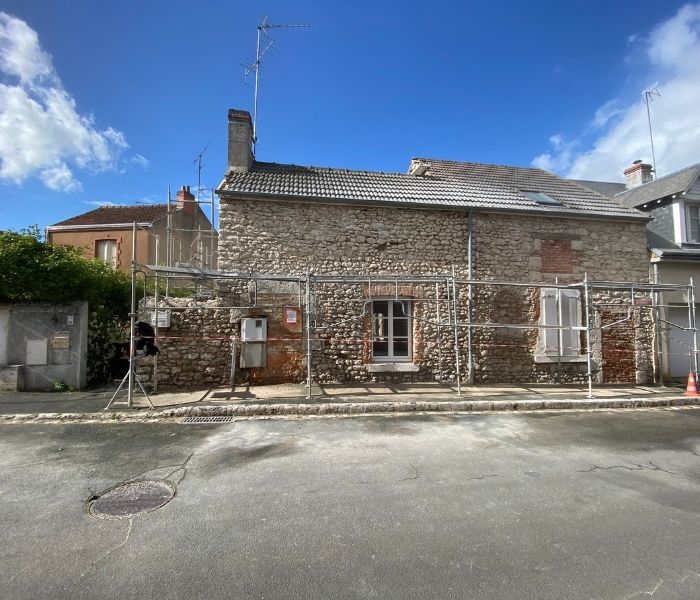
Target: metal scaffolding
{"x": 447, "y": 304}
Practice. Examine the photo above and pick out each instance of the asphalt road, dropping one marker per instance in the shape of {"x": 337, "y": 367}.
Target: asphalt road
{"x": 508, "y": 506}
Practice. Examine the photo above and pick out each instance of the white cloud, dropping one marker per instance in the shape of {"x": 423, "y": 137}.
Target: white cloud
{"x": 98, "y": 203}
{"x": 606, "y": 113}
{"x": 41, "y": 131}
{"x": 141, "y": 161}
{"x": 618, "y": 133}
{"x": 59, "y": 178}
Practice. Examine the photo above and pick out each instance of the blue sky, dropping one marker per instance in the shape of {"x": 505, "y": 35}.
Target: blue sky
{"x": 111, "y": 101}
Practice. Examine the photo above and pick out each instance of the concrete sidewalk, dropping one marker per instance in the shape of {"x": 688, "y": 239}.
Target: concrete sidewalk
{"x": 290, "y": 400}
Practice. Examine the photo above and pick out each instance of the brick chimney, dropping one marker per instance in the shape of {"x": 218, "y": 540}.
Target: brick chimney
{"x": 185, "y": 199}
{"x": 240, "y": 141}
{"x": 638, "y": 174}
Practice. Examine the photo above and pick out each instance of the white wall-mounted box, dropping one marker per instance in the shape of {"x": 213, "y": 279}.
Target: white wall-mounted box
{"x": 254, "y": 329}
{"x": 37, "y": 352}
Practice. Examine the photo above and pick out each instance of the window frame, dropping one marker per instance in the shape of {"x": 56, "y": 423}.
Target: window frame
{"x": 687, "y": 207}
{"x": 389, "y": 337}
{"x": 107, "y": 242}
{"x": 565, "y": 310}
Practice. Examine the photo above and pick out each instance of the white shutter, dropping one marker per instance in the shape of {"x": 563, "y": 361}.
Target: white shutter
{"x": 571, "y": 317}
{"x": 548, "y": 338}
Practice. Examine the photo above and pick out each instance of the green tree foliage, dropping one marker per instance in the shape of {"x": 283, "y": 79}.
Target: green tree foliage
{"x": 32, "y": 271}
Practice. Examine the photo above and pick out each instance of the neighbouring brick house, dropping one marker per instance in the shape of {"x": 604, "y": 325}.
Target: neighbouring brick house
{"x": 516, "y": 225}
{"x": 106, "y": 233}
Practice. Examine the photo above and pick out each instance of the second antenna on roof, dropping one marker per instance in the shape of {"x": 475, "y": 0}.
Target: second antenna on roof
{"x": 263, "y": 29}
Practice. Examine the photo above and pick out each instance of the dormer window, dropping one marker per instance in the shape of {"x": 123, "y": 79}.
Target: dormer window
{"x": 692, "y": 220}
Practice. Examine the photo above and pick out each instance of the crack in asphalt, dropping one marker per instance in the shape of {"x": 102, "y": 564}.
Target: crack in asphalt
{"x": 481, "y": 477}
{"x": 114, "y": 548}
{"x": 636, "y": 467}
{"x": 181, "y": 467}
{"x": 658, "y": 585}
{"x": 416, "y": 474}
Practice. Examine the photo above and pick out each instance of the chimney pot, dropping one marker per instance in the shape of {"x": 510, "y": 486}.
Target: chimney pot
{"x": 638, "y": 174}
{"x": 185, "y": 199}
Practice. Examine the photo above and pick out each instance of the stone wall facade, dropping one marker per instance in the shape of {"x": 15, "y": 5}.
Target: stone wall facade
{"x": 291, "y": 238}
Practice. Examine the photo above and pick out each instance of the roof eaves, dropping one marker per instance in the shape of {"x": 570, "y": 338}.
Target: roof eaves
{"x": 88, "y": 226}
{"x": 570, "y": 213}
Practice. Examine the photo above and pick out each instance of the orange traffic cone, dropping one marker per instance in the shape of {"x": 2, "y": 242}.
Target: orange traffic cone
{"x": 692, "y": 388}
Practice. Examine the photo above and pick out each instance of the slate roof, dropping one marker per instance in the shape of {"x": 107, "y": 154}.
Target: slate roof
{"x": 447, "y": 184}
{"x": 675, "y": 183}
{"x": 111, "y": 215}
{"x": 607, "y": 188}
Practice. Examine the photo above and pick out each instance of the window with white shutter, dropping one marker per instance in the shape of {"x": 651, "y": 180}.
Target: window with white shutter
{"x": 559, "y": 308}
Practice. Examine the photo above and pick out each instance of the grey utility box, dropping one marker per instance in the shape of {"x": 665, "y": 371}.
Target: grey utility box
{"x": 253, "y": 342}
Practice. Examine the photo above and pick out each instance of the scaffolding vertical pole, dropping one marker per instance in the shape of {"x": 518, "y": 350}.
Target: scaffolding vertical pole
{"x": 155, "y": 319}
{"x": 308, "y": 335}
{"x": 132, "y": 319}
{"x": 456, "y": 332}
{"x": 589, "y": 352}
{"x": 655, "y": 297}
{"x": 470, "y": 356}
{"x": 691, "y": 301}
{"x": 234, "y": 346}
{"x": 437, "y": 320}
{"x": 213, "y": 263}
{"x": 168, "y": 242}
{"x": 559, "y": 331}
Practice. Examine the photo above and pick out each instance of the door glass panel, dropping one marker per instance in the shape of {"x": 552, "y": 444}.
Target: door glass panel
{"x": 400, "y": 328}
{"x": 381, "y": 308}
{"x": 400, "y": 309}
{"x": 380, "y": 348}
{"x": 381, "y": 327}
{"x": 401, "y": 348}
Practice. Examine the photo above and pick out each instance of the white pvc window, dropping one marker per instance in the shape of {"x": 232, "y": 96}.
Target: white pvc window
{"x": 106, "y": 250}
{"x": 559, "y": 308}
{"x": 692, "y": 219}
{"x": 391, "y": 330}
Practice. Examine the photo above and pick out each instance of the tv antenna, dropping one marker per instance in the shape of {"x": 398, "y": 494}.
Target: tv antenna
{"x": 649, "y": 97}
{"x": 263, "y": 29}
{"x": 198, "y": 161}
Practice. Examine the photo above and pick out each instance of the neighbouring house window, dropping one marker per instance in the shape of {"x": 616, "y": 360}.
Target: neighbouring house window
{"x": 692, "y": 230}
{"x": 559, "y": 308}
{"x": 106, "y": 250}
{"x": 391, "y": 330}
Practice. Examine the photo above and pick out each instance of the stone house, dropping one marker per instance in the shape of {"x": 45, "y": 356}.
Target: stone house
{"x": 451, "y": 270}
{"x": 673, "y": 242}
{"x": 106, "y": 233}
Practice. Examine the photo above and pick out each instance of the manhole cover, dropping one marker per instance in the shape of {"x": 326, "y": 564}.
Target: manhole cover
{"x": 132, "y": 499}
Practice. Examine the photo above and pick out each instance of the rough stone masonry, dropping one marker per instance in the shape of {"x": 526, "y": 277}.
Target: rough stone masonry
{"x": 289, "y": 237}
